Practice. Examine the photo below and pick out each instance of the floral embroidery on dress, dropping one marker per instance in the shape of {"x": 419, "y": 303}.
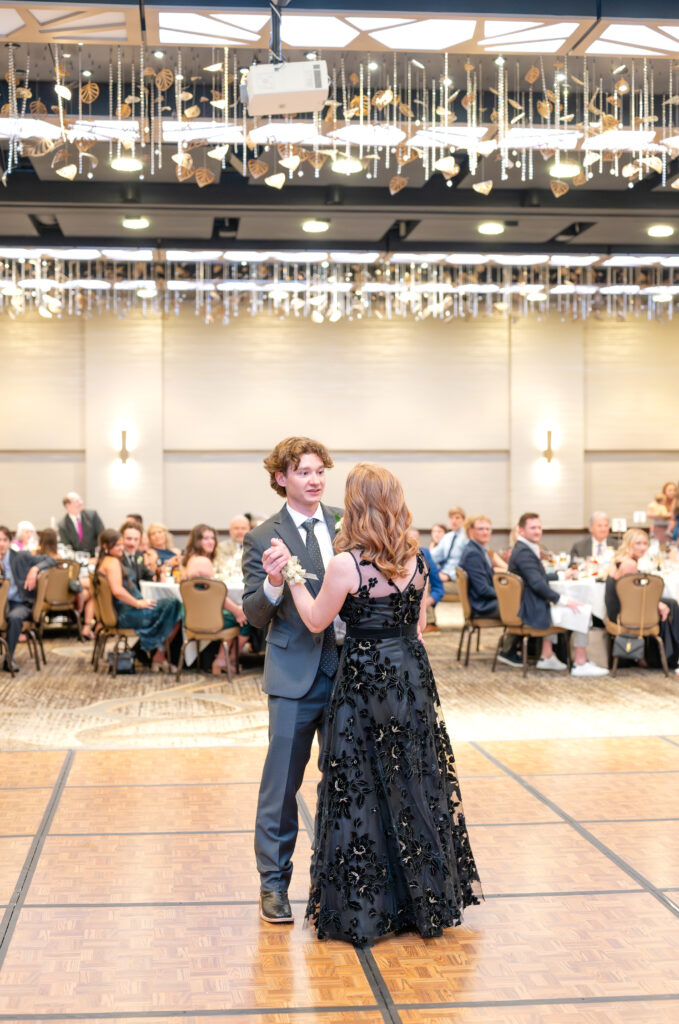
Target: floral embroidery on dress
{"x": 391, "y": 849}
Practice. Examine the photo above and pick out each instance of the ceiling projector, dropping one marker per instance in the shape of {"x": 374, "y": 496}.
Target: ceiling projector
{"x": 298, "y": 88}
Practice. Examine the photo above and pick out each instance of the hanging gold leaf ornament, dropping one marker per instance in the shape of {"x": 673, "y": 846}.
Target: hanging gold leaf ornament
{"x": 484, "y": 187}
{"x": 37, "y": 147}
{"x": 469, "y": 67}
{"x": 257, "y": 168}
{"x": 204, "y": 177}
{"x": 559, "y": 188}
{"x": 37, "y": 107}
{"x": 23, "y": 93}
{"x": 185, "y": 96}
{"x": 192, "y": 112}
{"x": 383, "y": 98}
{"x": 544, "y": 109}
{"x": 467, "y": 100}
{"x": 406, "y": 110}
{"x": 123, "y": 111}
{"x": 275, "y": 180}
{"x": 513, "y": 103}
{"x": 550, "y": 95}
{"x": 89, "y": 92}
{"x": 397, "y": 183}
{"x": 579, "y": 179}
{"x": 164, "y": 79}
{"x": 83, "y": 145}
{"x": 532, "y": 75}
{"x": 404, "y": 154}
{"x": 448, "y": 167}
{"x": 353, "y": 78}
{"x": 317, "y": 160}
{"x": 4, "y": 110}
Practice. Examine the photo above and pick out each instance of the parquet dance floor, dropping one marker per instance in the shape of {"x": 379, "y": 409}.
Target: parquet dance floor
{"x": 129, "y": 893}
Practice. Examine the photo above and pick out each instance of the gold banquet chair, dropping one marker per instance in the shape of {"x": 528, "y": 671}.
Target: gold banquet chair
{"x": 32, "y": 626}
{"x": 4, "y": 649}
{"x": 107, "y": 623}
{"x": 59, "y": 600}
{"x": 203, "y": 601}
{"x": 472, "y": 624}
{"x": 639, "y": 615}
{"x": 509, "y": 590}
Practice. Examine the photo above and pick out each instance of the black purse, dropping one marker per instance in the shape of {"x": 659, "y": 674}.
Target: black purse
{"x": 630, "y": 647}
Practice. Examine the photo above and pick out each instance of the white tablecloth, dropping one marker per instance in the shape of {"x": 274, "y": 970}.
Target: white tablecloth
{"x": 157, "y": 591}
{"x": 588, "y": 590}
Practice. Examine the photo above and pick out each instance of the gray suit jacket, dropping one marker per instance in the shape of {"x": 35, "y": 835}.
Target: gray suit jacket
{"x": 582, "y": 548}
{"x": 292, "y": 652}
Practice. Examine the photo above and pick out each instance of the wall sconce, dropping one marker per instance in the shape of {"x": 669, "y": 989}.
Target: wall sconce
{"x": 123, "y": 454}
{"x": 548, "y": 453}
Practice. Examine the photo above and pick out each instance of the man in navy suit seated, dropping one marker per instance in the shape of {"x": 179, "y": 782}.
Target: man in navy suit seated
{"x": 477, "y": 562}
{"x": 538, "y": 596}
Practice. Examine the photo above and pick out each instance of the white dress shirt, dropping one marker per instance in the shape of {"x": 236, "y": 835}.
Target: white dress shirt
{"x": 323, "y": 537}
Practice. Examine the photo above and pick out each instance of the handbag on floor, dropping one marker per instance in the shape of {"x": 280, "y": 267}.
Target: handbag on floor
{"x": 630, "y": 647}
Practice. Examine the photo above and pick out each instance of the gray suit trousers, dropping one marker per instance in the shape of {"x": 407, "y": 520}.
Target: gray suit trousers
{"x": 292, "y": 726}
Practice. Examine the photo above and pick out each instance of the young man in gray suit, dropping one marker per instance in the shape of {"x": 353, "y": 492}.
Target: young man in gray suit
{"x": 299, "y": 666}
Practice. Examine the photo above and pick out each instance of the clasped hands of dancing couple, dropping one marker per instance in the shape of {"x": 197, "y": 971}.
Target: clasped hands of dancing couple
{"x": 391, "y": 850}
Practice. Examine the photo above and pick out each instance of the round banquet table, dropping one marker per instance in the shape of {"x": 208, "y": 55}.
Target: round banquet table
{"x": 589, "y": 590}
{"x": 157, "y": 591}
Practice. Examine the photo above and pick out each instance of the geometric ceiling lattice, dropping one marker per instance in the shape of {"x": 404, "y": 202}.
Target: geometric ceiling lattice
{"x": 649, "y": 39}
{"x": 32, "y": 23}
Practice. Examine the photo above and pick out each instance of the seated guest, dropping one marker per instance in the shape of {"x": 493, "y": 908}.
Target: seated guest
{"x": 48, "y": 543}
{"x": 135, "y": 517}
{"x": 435, "y": 589}
{"x": 160, "y": 541}
{"x": 437, "y": 533}
{"x": 477, "y": 562}
{"x": 230, "y": 551}
{"x": 132, "y": 556}
{"x": 80, "y": 527}
{"x": 26, "y": 537}
{"x": 202, "y": 541}
{"x": 594, "y": 545}
{"x": 448, "y": 551}
{"x": 663, "y": 511}
{"x": 202, "y": 567}
{"x": 153, "y": 622}
{"x": 537, "y": 597}
{"x": 21, "y": 568}
{"x": 625, "y": 562}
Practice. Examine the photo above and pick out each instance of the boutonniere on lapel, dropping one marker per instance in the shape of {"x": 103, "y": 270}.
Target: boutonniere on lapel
{"x": 339, "y": 523}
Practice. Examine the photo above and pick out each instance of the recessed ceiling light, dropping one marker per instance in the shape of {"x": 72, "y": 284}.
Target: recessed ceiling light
{"x": 660, "y": 230}
{"x": 315, "y": 227}
{"x": 67, "y": 56}
{"x": 126, "y": 163}
{"x": 87, "y": 73}
{"x": 560, "y": 76}
{"x": 500, "y": 61}
{"x": 148, "y": 292}
{"x": 311, "y": 55}
{"x": 136, "y": 223}
{"x": 179, "y": 77}
{"x": 417, "y": 63}
{"x": 373, "y": 65}
{"x": 564, "y": 168}
{"x": 347, "y": 165}
{"x": 491, "y": 227}
{"x": 159, "y": 54}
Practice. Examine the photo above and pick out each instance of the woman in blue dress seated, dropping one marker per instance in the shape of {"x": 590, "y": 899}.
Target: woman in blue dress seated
{"x": 162, "y": 544}
{"x": 153, "y": 621}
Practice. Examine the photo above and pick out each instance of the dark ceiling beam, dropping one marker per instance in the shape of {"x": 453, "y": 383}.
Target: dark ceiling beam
{"x": 238, "y": 194}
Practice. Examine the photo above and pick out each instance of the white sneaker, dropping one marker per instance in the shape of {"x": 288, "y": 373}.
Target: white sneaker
{"x": 552, "y": 664}
{"x": 588, "y": 669}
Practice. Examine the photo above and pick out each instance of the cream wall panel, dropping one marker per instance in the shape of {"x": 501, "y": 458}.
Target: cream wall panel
{"x": 547, "y": 393}
{"x": 41, "y": 407}
{"x": 631, "y": 373}
{"x": 623, "y": 482}
{"x": 123, "y": 376}
{"x": 367, "y": 384}
{"x": 33, "y": 485}
{"x": 216, "y": 487}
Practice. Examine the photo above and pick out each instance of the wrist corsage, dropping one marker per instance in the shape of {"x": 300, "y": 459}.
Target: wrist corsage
{"x": 293, "y": 572}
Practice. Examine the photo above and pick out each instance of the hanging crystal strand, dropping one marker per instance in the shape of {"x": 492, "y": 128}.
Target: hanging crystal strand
{"x": 345, "y": 101}
{"x": 472, "y": 152}
{"x": 360, "y": 110}
{"x": 152, "y": 122}
{"x": 110, "y": 101}
{"x": 446, "y": 92}
{"x": 375, "y": 150}
{"x": 178, "y": 104}
{"x": 225, "y": 95}
{"x": 119, "y": 99}
{"x": 244, "y": 129}
{"x": 142, "y": 104}
{"x": 80, "y": 105}
{"x": 60, "y": 101}
{"x": 133, "y": 85}
{"x": 436, "y": 152}
{"x": 501, "y": 118}
{"x": 13, "y": 113}
{"x": 395, "y": 91}
{"x": 425, "y": 119}
{"x": 530, "y": 125}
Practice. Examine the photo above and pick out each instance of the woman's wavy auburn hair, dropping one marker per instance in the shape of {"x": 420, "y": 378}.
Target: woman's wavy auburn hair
{"x": 376, "y": 519}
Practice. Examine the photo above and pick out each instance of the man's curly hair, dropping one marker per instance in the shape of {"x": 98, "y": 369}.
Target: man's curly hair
{"x": 287, "y": 454}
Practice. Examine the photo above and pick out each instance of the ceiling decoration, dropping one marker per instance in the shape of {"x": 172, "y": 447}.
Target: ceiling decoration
{"x": 50, "y": 23}
{"x": 650, "y": 38}
{"x": 332, "y": 286}
{"x": 397, "y": 117}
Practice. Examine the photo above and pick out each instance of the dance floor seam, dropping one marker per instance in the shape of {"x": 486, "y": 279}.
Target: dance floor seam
{"x": 644, "y": 882}
{"x": 164, "y": 925}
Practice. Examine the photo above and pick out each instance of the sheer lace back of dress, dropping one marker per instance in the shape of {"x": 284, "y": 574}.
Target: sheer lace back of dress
{"x": 373, "y": 583}
{"x": 379, "y": 601}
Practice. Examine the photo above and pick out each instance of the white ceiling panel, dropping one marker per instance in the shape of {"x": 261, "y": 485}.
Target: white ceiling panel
{"x": 345, "y": 227}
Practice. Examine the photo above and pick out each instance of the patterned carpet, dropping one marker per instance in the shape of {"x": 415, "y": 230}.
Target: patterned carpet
{"x": 67, "y": 705}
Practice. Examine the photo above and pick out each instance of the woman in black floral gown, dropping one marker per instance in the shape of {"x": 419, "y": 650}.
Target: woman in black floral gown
{"x": 391, "y": 849}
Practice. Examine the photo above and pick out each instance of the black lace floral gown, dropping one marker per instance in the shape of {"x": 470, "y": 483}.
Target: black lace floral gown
{"x": 391, "y": 849}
